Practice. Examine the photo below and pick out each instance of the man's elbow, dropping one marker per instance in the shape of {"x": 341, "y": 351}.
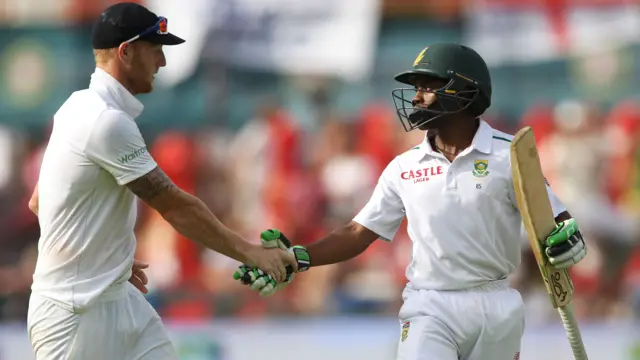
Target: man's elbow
{"x": 33, "y": 201}
{"x": 183, "y": 204}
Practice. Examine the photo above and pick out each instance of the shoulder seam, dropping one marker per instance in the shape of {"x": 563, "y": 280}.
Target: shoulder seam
{"x": 103, "y": 112}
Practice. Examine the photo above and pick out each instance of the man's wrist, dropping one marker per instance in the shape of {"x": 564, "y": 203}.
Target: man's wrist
{"x": 245, "y": 251}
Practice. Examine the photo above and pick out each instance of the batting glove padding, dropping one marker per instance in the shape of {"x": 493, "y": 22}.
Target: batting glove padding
{"x": 257, "y": 280}
{"x": 273, "y": 238}
{"x": 263, "y": 283}
{"x": 565, "y": 245}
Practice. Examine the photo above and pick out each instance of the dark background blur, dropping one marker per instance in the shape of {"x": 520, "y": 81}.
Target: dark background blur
{"x": 278, "y": 113}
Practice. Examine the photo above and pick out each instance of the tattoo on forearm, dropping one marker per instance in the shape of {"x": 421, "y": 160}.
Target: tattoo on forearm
{"x": 151, "y": 185}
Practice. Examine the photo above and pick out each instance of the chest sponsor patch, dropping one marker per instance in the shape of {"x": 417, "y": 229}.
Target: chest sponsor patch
{"x": 421, "y": 175}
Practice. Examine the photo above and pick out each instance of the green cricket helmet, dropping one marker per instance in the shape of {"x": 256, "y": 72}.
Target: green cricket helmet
{"x": 468, "y": 84}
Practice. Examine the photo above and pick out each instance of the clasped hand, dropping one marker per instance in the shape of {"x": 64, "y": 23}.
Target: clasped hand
{"x": 264, "y": 283}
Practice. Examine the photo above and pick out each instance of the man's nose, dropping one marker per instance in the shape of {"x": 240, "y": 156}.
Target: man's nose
{"x": 162, "y": 61}
{"x": 423, "y": 98}
{"x": 418, "y": 98}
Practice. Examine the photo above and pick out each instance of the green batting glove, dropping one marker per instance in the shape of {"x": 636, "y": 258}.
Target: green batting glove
{"x": 273, "y": 238}
{"x": 562, "y": 232}
{"x": 565, "y": 245}
{"x": 263, "y": 283}
{"x": 257, "y": 280}
{"x": 240, "y": 273}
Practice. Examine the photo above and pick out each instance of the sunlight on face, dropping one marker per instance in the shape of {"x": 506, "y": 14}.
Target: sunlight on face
{"x": 147, "y": 60}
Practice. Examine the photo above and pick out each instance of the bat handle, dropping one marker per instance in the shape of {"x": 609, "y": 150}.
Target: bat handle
{"x": 573, "y": 332}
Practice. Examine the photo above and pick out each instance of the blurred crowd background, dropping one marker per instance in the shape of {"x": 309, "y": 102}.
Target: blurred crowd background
{"x": 278, "y": 113}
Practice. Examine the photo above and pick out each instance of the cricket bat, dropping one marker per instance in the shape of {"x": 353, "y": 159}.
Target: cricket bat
{"x": 537, "y": 216}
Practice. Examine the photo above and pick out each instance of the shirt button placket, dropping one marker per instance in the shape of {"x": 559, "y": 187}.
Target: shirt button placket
{"x": 451, "y": 178}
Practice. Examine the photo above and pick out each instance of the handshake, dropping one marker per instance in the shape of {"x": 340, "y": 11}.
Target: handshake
{"x": 262, "y": 282}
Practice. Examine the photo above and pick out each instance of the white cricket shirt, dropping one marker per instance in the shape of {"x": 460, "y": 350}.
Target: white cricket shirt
{"x": 86, "y": 215}
{"x": 462, "y": 216}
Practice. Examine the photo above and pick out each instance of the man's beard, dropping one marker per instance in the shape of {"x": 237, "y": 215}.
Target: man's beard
{"x": 420, "y": 115}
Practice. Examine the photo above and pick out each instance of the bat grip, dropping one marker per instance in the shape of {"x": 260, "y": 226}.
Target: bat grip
{"x": 573, "y": 332}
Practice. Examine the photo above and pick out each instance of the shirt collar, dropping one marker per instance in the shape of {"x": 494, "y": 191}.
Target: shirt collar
{"x": 482, "y": 141}
{"x": 106, "y": 84}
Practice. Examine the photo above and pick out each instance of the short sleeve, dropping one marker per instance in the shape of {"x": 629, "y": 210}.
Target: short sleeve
{"x": 116, "y": 145}
{"x": 557, "y": 205}
{"x": 384, "y": 212}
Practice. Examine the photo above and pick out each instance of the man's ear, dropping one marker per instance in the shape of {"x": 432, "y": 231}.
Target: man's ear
{"x": 125, "y": 52}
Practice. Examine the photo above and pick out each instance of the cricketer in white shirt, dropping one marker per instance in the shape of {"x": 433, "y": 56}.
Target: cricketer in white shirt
{"x": 86, "y": 215}
{"x": 456, "y": 191}
{"x": 80, "y": 290}
{"x": 464, "y": 224}
{"x": 87, "y": 243}
{"x": 82, "y": 304}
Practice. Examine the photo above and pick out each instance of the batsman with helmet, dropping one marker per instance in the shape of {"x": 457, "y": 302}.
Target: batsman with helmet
{"x": 456, "y": 190}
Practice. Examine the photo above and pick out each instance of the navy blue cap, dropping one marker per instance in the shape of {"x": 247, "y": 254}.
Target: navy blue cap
{"x": 128, "y": 21}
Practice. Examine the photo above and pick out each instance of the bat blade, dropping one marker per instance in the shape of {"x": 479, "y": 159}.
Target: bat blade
{"x": 537, "y": 215}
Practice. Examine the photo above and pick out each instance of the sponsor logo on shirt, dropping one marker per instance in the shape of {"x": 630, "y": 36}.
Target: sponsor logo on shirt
{"x": 132, "y": 156}
{"x": 421, "y": 175}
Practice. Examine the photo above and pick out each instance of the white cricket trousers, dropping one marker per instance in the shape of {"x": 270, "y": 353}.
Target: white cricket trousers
{"x": 120, "y": 325}
{"x": 480, "y": 323}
